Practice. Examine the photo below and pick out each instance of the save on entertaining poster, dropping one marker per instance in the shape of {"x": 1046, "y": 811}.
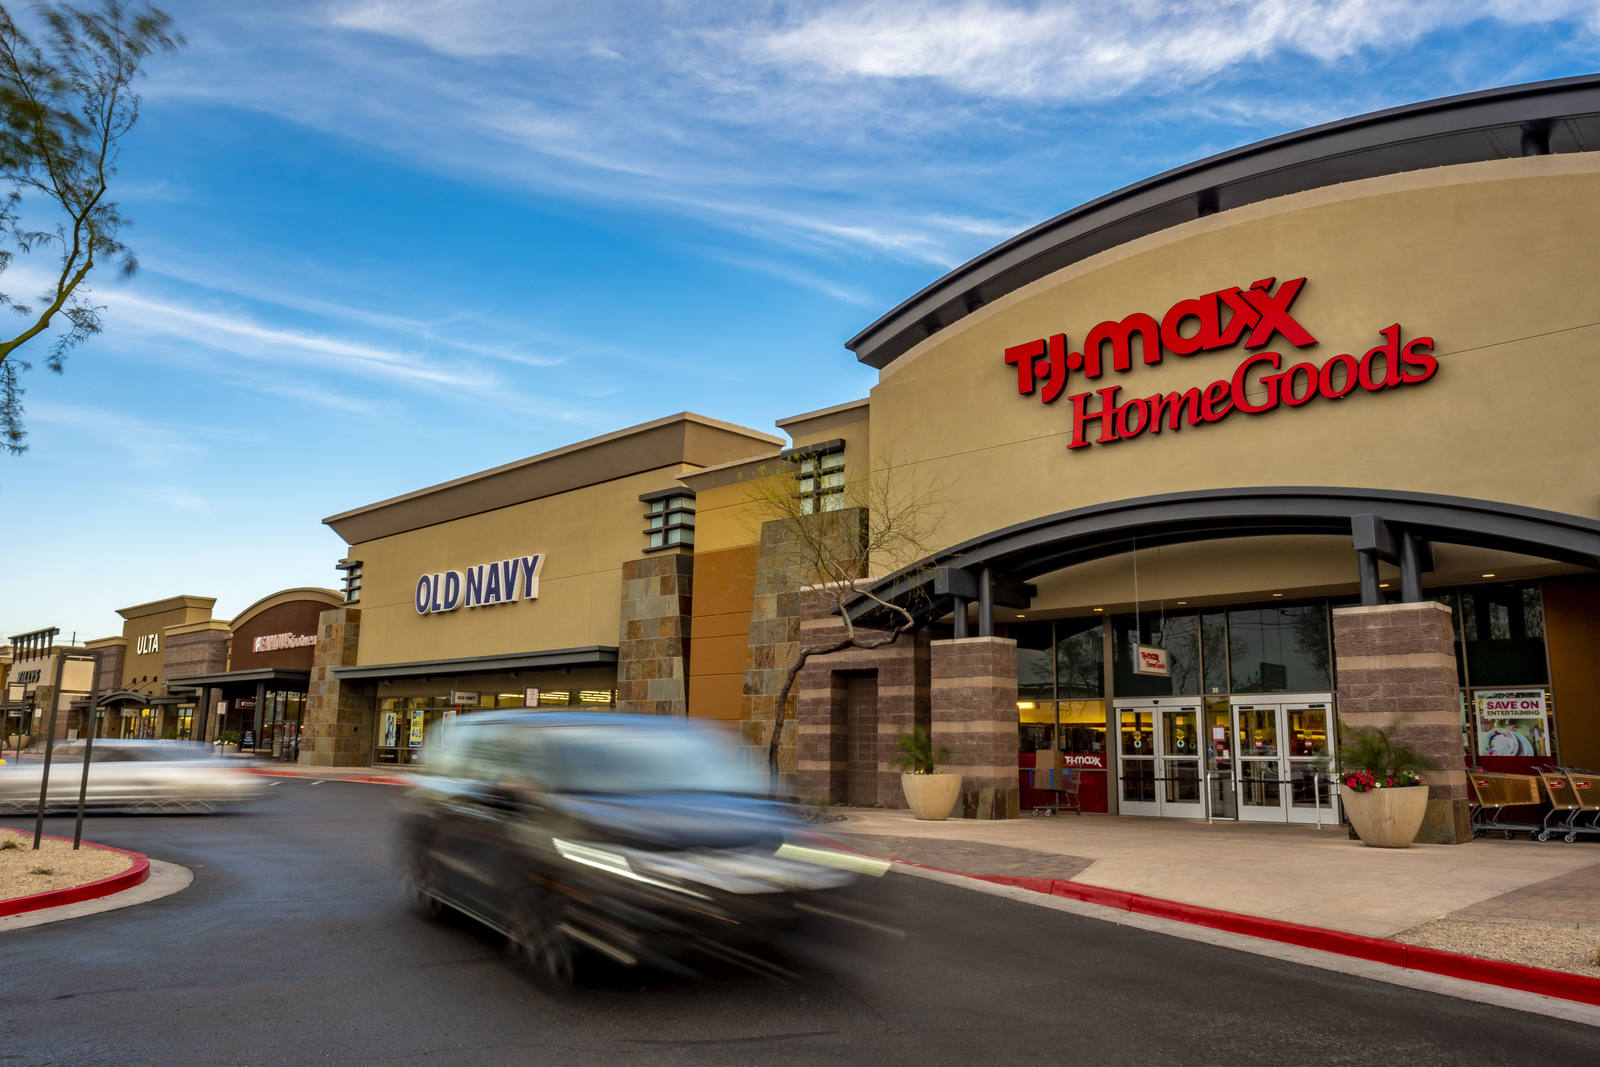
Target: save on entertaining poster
{"x": 1512, "y": 722}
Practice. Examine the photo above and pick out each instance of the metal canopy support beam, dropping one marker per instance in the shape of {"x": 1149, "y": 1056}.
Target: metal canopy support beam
{"x": 1410, "y": 568}
{"x": 958, "y": 616}
{"x": 985, "y": 603}
{"x": 1367, "y": 563}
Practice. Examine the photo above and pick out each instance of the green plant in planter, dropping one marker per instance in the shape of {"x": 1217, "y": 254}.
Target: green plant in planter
{"x": 1369, "y": 759}
{"x": 917, "y": 754}
{"x": 229, "y": 737}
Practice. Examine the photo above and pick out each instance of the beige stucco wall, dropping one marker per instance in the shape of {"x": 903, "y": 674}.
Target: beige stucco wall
{"x": 177, "y": 611}
{"x": 1495, "y": 261}
{"x": 585, "y": 536}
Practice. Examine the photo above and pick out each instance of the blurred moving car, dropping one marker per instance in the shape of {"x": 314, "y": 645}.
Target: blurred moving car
{"x": 129, "y": 775}
{"x": 641, "y": 838}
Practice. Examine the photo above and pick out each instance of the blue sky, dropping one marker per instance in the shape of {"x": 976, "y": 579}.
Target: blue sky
{"x": 385, "y": 243}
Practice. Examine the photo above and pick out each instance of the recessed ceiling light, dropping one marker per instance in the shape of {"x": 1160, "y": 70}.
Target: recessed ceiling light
{"x": 1022, "y": 616}
{"x": 1489, "y": 575}
{"x": 1383, "y": 585}
{"x": 1099, "y": 609}
{"x": 1277, "y": 594}
{"x": 1183, "y": 602}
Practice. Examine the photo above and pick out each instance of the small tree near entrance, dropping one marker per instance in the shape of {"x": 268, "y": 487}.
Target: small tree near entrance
{"x": 829, "y": 537}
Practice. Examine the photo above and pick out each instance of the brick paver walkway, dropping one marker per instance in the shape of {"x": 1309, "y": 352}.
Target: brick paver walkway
{"x": 1572, "y": 897}
{"x": 966, "y": 857}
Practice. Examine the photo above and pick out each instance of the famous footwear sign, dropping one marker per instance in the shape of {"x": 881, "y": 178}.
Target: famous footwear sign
{"x": 1251, "y": 318}
{"x": 500, "y": 582}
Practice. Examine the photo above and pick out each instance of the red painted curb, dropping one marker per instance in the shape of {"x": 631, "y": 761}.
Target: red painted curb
{"x": 55, "y": 898}
{"x": 1558, "y": 984}
{"x": 1547, "y": 983}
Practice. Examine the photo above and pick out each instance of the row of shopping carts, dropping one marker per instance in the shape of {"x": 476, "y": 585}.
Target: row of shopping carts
{"x": 1567, "y": 798}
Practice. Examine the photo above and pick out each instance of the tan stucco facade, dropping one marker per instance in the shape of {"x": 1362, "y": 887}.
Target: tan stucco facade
{"x": 1492, "y": 260}
{"x": 583, "y": 535}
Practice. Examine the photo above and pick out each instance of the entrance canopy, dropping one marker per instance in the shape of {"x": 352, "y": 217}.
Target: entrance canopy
{"x": 1382, "y": 524}
{"x": 274, "y": 677}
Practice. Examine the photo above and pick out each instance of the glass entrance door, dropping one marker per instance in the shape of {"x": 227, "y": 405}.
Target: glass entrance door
{"x": 1159, "y": 757}
{"x": 1279, "y": 743}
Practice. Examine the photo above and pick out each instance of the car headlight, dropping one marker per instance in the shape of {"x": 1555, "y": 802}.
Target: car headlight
{"x": 615, "y": 863}
{"x": 827, "y": 857}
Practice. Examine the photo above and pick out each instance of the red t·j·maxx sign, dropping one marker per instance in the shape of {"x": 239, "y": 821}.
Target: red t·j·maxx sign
{"x": 1252, "y": 317}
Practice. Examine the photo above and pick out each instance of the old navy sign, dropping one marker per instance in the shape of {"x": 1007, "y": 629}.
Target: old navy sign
{"x": 500, "y": 582}
{"x": 1253, "y": 318}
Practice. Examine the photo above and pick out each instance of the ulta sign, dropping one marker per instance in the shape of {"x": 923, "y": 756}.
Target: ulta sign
{"x": 1251, "y": 317}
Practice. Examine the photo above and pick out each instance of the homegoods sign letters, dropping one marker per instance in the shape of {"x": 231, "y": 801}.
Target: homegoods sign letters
{"x": 500, "y": 582}
{"x": 1252, "y": 318}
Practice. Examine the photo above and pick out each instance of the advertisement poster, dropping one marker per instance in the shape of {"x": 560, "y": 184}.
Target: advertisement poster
{"x": 388, "y": 730}
{"x": 417, "y": 721}
{"x": 1512, "y": 722}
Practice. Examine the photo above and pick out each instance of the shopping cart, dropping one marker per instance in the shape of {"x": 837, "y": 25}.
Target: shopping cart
{"x": 1574, "y": 804}
{"x": 1063, "y": 784}
{"x": 1494, "y": 792}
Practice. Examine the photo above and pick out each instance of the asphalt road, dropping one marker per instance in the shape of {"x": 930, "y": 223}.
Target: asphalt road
{"x": 294, "y": 945}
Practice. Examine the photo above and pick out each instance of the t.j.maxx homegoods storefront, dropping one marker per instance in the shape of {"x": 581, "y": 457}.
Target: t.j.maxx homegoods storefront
{"x": 1296, "y": 437}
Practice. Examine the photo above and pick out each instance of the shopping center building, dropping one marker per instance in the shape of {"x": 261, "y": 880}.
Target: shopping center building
{"x": 1295, "y": 438}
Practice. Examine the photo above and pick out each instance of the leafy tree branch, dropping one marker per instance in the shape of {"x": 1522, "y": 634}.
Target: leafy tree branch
{"x": 66, "y": 102}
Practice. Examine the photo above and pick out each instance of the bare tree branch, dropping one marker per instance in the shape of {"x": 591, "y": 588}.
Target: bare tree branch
{"x": 829, "y": 540}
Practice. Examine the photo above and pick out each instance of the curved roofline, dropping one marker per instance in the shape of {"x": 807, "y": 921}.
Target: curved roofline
{"x": 1040, "y": 546}
{"x": 287, "y": 596}
{"x": 1538, "y": 118}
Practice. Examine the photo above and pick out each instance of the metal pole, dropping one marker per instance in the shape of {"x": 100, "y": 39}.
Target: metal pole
{"x": 985, "y": 602}
{"x": 49, "y": 749}
{"x": 1208, "y": 798}
{"x": 1316, "y": 796}
{"x": 88, "y": 751}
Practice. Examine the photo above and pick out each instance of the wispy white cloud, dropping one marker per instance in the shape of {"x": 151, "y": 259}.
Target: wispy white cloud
{"x": 246, "y": 337}
{"x": 119, "y": 435}
{"x": 1087, "y": 50}
{"x": 816, "y": 128}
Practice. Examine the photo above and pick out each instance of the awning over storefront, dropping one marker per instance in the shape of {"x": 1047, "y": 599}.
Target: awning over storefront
{"x": 1385, "y": 523}
{"x": 274, "y": 677}
{"x": 125, "y": 696}
{"x": 588, "y": 656}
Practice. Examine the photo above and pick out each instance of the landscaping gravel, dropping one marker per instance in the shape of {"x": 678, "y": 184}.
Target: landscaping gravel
{"x": 20, "y": 867}
{"x": 1556, "y": 948}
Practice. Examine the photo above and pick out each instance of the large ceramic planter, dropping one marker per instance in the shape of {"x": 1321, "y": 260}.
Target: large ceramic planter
{"x": 931, "y": 796}
{"x": 1387, "y": 818}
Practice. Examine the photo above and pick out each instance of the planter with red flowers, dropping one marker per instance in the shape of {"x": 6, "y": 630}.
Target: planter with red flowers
{"x": 1382, "y": 789}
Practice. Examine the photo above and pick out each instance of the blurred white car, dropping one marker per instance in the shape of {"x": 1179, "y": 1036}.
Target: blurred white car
{"x": 162, "y": 776}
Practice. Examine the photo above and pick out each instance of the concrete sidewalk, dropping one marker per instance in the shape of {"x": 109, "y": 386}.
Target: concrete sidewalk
{"x": 1293, "y": 873}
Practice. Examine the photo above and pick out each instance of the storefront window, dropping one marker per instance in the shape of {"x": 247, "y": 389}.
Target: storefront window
{"x": 1279, "y": 649}
{"x": 1178, "y": 634}
{"x": 1035, "y": 662}
{"x": 1060, "y": 685}
{"x": 1080, "y": 656}
{"x": 1502, "y": 628}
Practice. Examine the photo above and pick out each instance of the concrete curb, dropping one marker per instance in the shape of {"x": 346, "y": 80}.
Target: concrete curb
{"x": 55, "y": 898}
{"x": 374, "y": 779}
{"x": 1574, "y": 987}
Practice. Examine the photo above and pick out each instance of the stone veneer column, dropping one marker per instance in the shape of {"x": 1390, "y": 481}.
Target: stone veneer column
{"x": 823, "y": 747}
{"x": 337, "y": 731}
{"x": 653, "y": 647}
{"x": 974, "y": 699}
{"x": 775, "y": 613}
{"x": 1396, "y": 667}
